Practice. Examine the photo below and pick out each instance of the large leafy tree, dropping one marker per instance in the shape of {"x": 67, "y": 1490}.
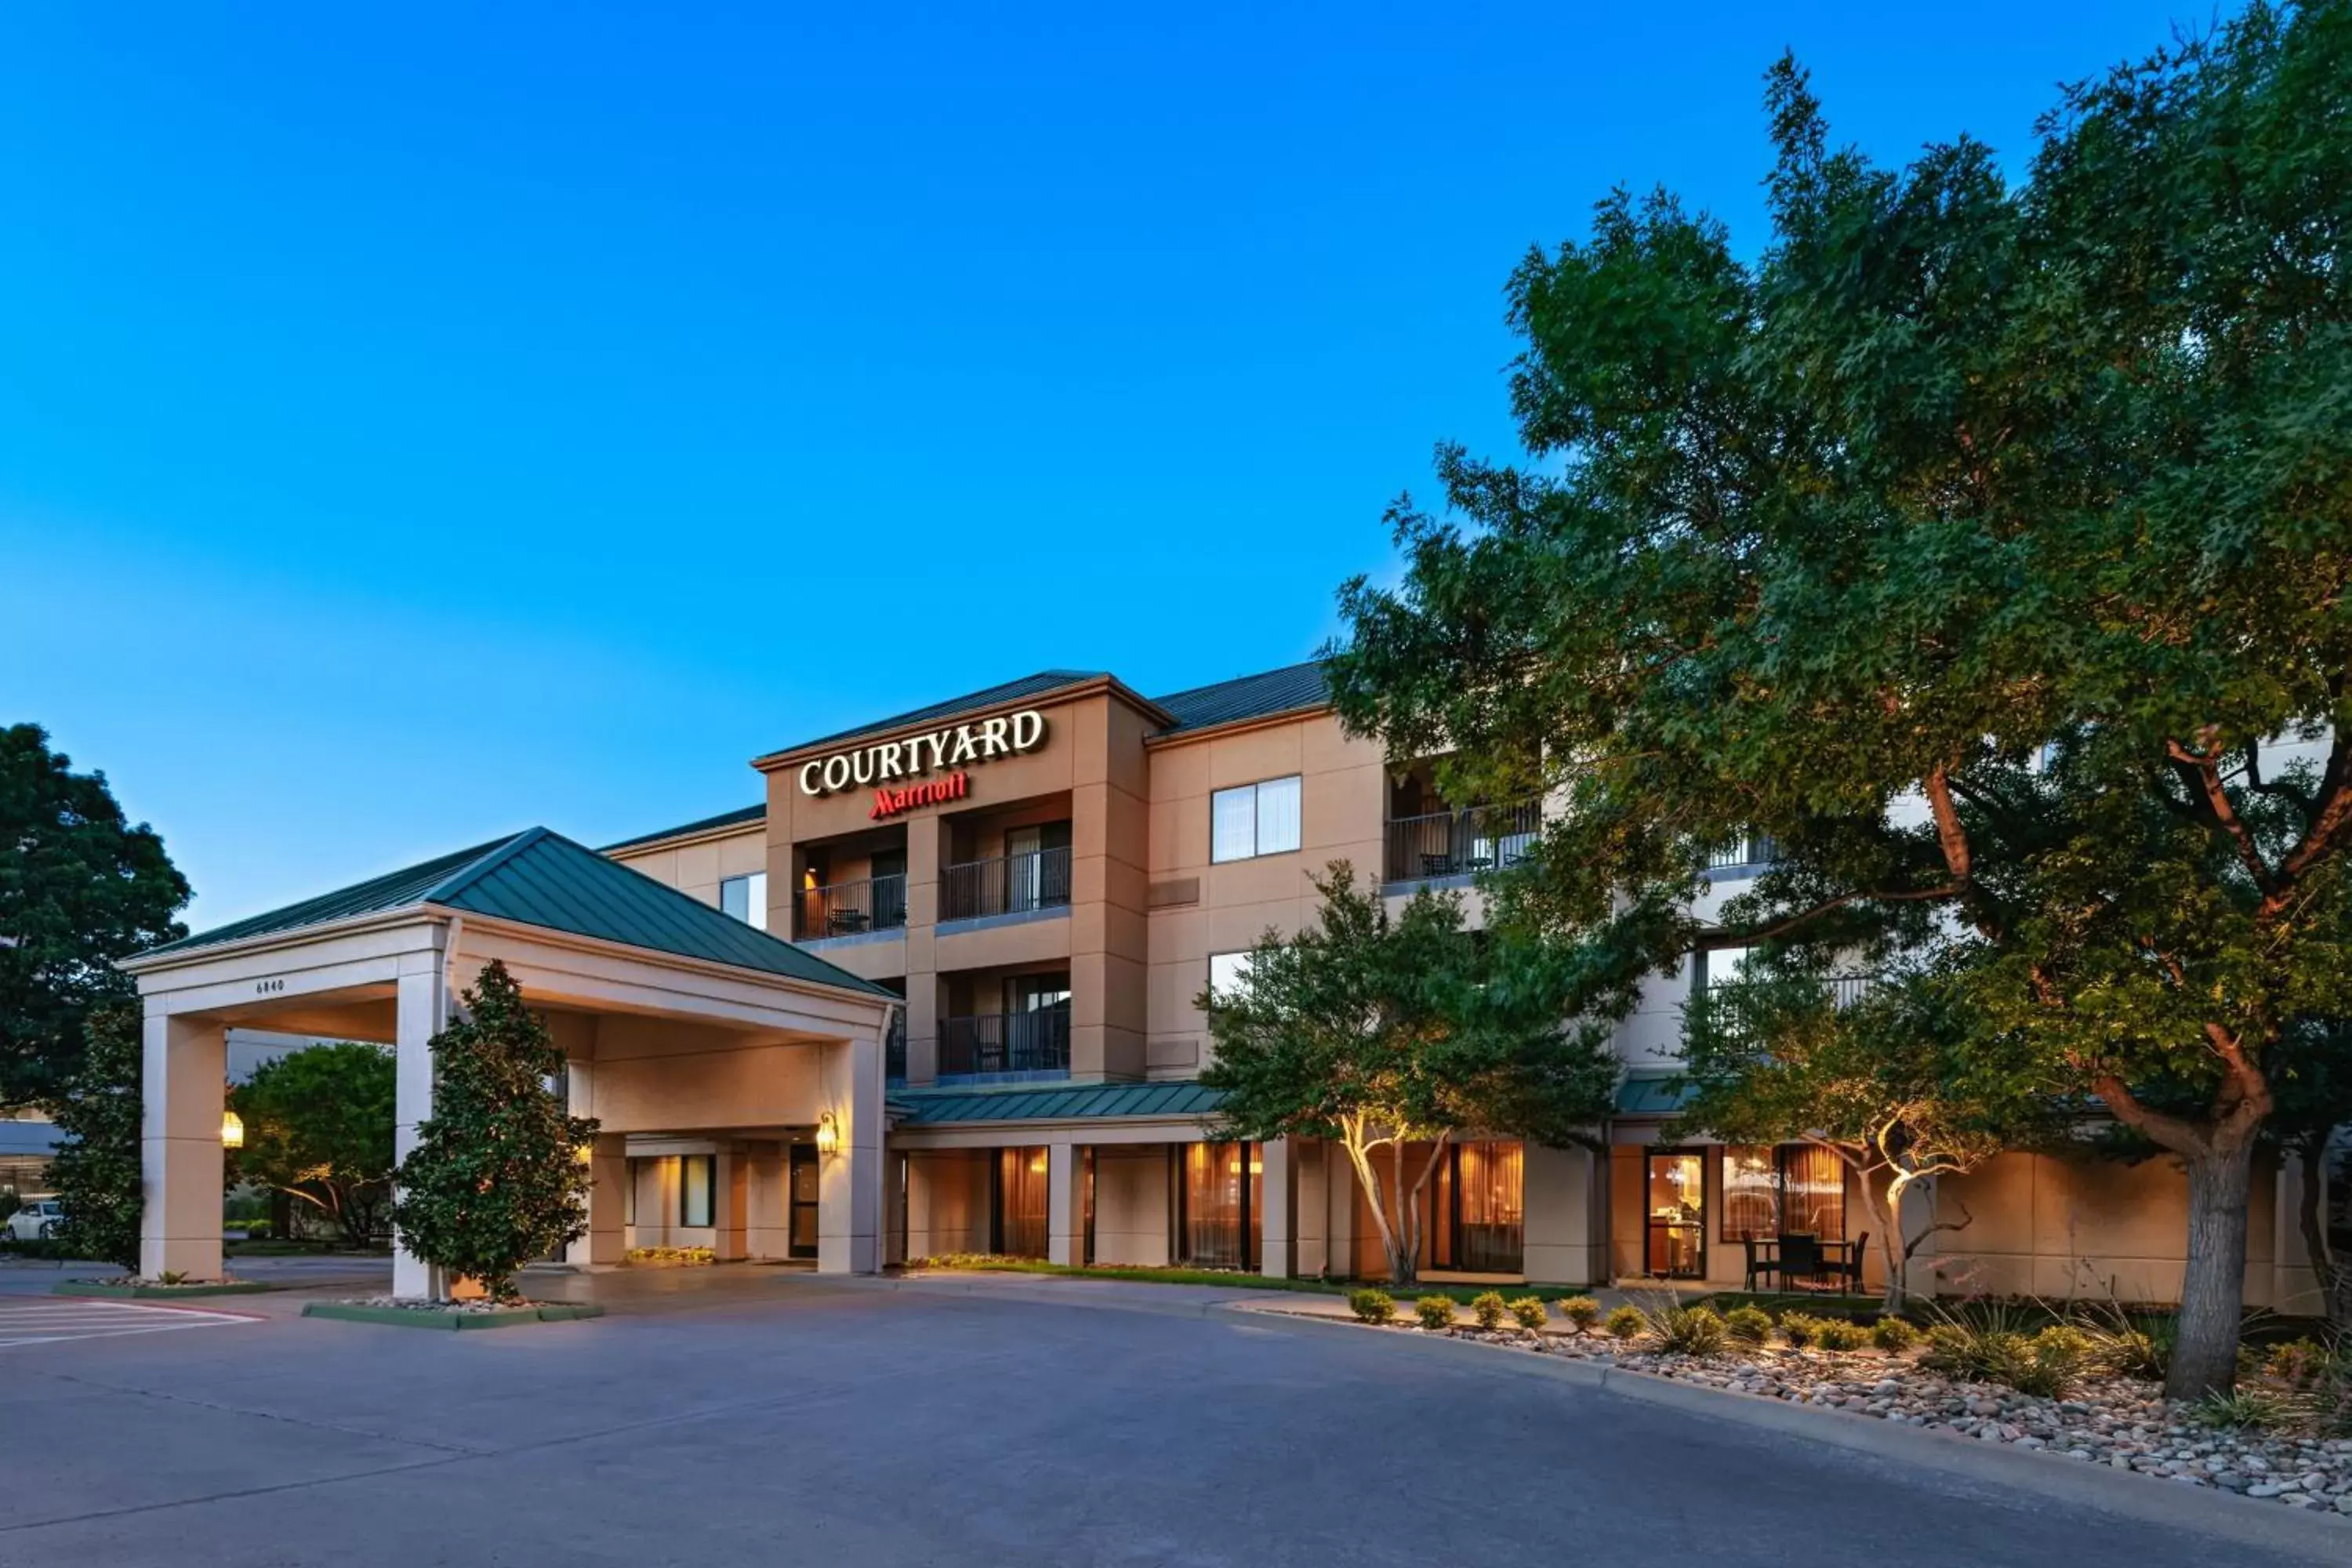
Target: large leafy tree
{"x": 1979, "y": 542}
{"x": 1380, "y": 1031}
{"x": 79, "y": 888}
{"x": 96, "y": 1170}
{"x": 494, "y": 1180}
{"x": 319, "y": 1128}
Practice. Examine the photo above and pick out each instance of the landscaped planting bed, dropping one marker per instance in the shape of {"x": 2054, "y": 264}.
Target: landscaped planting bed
{"x": 2091, "y": 1391}
{"x": 397, "y": 1311}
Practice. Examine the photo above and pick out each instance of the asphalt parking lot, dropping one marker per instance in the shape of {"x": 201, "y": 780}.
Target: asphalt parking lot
{"x": 775, "y": 1419}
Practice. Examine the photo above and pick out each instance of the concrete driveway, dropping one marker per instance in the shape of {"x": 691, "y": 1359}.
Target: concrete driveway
{"x": 801, "y": 1422}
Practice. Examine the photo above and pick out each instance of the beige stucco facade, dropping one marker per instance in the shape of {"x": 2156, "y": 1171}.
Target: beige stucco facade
{"x": 1148, "y": 904}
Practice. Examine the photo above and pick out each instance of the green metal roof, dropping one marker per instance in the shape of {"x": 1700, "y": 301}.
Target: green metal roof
{"x": 740, "y": 814}
{"x": 1055, "y": 1102}
{"x": 1652, "y": 1096}
{"x": 540, "y": 878}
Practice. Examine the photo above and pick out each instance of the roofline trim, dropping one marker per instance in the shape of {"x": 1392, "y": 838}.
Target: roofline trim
{"x": 676, "y": 838}
{"x": 419, "y": 913}
{"x": 556, "y": 937}
{"x": 1238, "y": 726}
{"x": 1089, "y": 686}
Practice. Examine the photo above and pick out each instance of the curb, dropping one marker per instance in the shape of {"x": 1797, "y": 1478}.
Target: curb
{"x": 2246, "y": 1522}
{"x": 92, "y": 1289}
{"x": 1044, "y": 1296}
{"x": 453, "y": 1323}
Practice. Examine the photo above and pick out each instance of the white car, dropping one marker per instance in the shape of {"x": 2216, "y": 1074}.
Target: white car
{"x": 36, "y": 1221}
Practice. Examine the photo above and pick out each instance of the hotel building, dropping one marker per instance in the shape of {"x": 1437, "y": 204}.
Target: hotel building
{"x": 935, "y": 992}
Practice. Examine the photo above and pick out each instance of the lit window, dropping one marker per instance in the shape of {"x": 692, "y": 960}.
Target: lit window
{"x": 696, "y": 1175}
{"x": 746, "y": 898}
{"x": 1228, "y": 974}
{"x": 1254, "y": 819}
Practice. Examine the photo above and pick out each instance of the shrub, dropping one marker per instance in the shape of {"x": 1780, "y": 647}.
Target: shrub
{"x": 1689, "y": 1330}
{"x": 1530, "y": 1312}
{"x": 1371, "y": 1306}
{"x": 2045, "y": 1364}
{"x": 1840, "y": 1334}
{"x": 1625, "y": 1322}
{"x": 2299, "y": 1363}
{"x": 1581, "y": 1311}
{"x": 2253, "y": 1408}
{"x": 1894, "y": 1335}
{"x": 1800, "y": 1329}
{"x": 1434, "y": 1311}
{"x": 1488, "y": 1306}
{"x": 1749, "y": 1325}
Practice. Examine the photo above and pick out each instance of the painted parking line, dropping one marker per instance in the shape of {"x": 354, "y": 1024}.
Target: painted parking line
{"x": 50, "y": 1322}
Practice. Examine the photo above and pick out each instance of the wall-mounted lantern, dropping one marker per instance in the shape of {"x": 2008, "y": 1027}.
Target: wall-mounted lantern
{"x": 232, "y": 1130}
{"x": 828, "y": 1135}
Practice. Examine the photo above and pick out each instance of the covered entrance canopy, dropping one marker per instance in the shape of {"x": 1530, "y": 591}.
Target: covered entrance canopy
{"x": 675, "y": 1019}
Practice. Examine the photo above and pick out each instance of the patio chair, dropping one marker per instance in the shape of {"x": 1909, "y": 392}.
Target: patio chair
{"x": 1760, "y": 1265}
{"x": 1848, "y": 1269}
{"x": 1800, "y": 1259}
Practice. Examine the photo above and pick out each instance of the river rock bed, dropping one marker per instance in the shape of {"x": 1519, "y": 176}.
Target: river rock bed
{"x": 2122, "y": 1422}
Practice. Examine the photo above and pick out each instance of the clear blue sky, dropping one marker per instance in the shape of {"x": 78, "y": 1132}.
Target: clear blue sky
{"x": 421, "y": 424}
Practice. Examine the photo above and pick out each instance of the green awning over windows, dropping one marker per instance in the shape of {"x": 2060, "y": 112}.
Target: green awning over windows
{"x": 1057, "y": 1102}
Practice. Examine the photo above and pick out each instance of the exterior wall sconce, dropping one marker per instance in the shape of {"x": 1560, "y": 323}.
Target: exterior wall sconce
{"x": 828, "y": 1136}
{"x": 232, "y": 1130}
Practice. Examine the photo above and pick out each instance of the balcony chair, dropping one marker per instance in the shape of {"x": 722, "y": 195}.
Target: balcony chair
{"x": 1759, "y": 1266}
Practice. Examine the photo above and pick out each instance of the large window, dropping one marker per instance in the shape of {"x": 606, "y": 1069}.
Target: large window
{"x": 1217, "y": 1205}
{"x": 1228, "y": 974}
{"x": 697, "y": 1175}
{"x": 746, "y": 898}
{"x": 1480, "y": 1208}
{"x": 1021, "y": 1179}
{"x": 1254, "y": 819}
{"x": 1796, "y": 1189}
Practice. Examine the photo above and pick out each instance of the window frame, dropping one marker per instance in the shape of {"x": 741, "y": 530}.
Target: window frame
{"x": 1257, "y": 788}
{"x": 1245, "y": 955}
{"x": 709, "y": 1193}
{"x": 755, "y": 910}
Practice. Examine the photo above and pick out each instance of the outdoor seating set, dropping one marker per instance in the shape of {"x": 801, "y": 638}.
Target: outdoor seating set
{"x": 1799, "y": 1262}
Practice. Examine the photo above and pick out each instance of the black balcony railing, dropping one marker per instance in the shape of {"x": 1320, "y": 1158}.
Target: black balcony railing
{"x": 1014, "y": 884}
{"x": 1730, "y": 1007}
{"x": 1456, "y": 843}
{"x": 847, "y": 908}
{"x": 894, "y": 1047}
{"x": 986, "y": 1043}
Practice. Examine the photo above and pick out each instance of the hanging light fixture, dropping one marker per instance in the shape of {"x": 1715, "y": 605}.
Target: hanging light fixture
{"x": 232, "y": 1130}
{"x": 828, "y": 1135}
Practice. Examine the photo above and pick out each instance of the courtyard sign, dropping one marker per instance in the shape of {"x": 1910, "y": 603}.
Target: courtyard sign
{"x": 1004, "y": 736}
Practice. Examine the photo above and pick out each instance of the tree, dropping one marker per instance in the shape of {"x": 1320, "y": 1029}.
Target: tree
{"x": 1879, "y": 1082}
{"x": 319, "y": 1128}
{"x": 1377, "y": 1032}
{"x": 79, "y": 888}
{"x": 494, "y": 1180}
{"x": 96, "y": 1170}
{"x": 1983, "y": 544}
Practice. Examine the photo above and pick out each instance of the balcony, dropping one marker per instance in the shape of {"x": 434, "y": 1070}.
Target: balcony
{"x": 850, "y": 908}
{"x": 1748, "y": 852}
{"x": 1476, "y": 838}
{"x": 1729, "y": 1008}
{"x": 1004, "y": 1045}
{"x": 1026, "y": 884}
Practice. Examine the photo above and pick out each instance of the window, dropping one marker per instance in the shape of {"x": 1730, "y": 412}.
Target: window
{"x": 1795, "y": 1189}
{"x": 1254, "y": 819}
{"x": 1218, "y": 1202}
{"x": 1228, "y": 974}
{"x": 697, "y": 1174}
{"x": 1478, "y": 1207}
{"x": 746, "y": 898}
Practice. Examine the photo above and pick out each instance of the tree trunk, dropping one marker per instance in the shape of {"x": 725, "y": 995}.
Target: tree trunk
{"x": 2213, "y": 1284}
{"x": 1405, "y": 1251}
{"x": 1886, "y": 1213}
{"x": 1360, "y": 1155}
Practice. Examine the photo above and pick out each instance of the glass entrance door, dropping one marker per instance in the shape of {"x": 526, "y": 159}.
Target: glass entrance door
{"x": 800, "y": 1194}
{"x": 1674, "y": 1191}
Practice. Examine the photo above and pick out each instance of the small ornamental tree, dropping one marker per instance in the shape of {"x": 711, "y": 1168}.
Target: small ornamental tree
{"x": 494, "y": 1182}
{"x": 1881, "y": 1082}
{"x": 1377, "y": 1032}
{"x": 96, "y": 1171}
{"x": 319, "y": 1128}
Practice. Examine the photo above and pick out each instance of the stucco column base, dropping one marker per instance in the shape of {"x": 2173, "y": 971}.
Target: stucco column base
{"x": 1278, "y": 1225}
{"x": 183, "y": 1071}
{"x": 849, "y": 1181}
{"x": 1064, "y": 1223}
